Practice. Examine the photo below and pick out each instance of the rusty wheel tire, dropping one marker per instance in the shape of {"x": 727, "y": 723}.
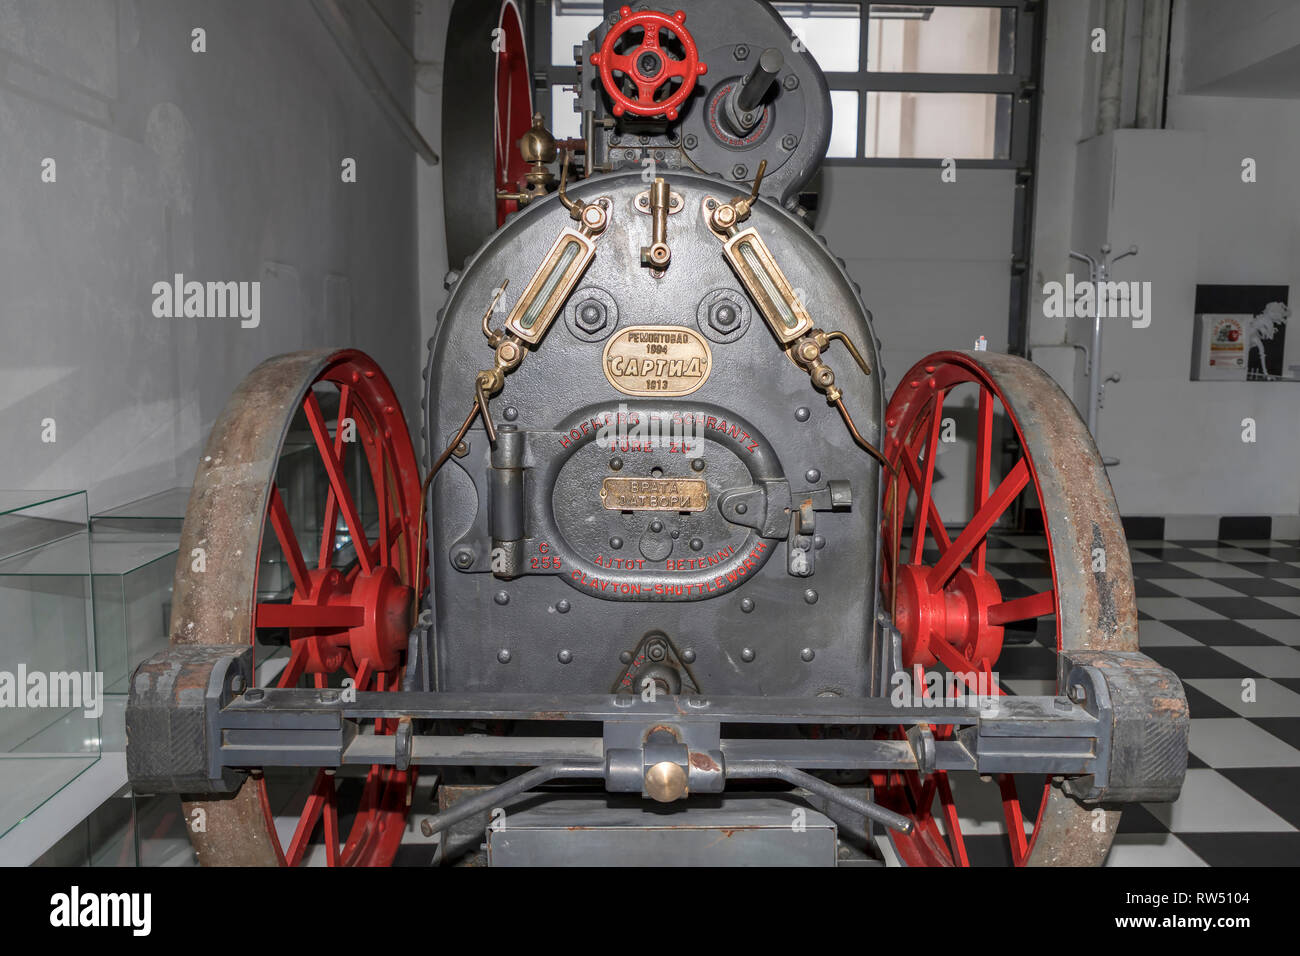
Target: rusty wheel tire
{"x": 1093, "y": 610}
{"x": 233, "y": 500}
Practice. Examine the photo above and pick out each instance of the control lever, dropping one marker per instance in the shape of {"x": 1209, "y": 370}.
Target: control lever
{"x": 743, "y": 107}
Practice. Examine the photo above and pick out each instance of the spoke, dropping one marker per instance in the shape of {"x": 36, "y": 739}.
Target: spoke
{"x": 337, "y": 482}
{"x": 924, "y": 492}
{"x": 310, "y": 616}
{"x": 307, "y": 822}
{"x": 330, "y": 528}
{"x": 288, "y": 542}
{"x": 983, "y": 464}
{"x": 293, "y": 670}
{"x": 980, "y": 524}
{"x": 1035, "y": 605}
{"x": 949, "y": 656}
{"x": 331, "y": 822}
{"x": 935, "y": 523}
{"x": 952, "y": 821}
{"x": 1015, "y": 819}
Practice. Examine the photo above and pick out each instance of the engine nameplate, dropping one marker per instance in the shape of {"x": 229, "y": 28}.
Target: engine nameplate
{"x": 657, "y": 360}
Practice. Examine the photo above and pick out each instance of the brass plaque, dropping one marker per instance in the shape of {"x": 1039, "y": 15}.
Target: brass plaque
{"x": 657, "y": 360}
{"x": 654, "y": 494}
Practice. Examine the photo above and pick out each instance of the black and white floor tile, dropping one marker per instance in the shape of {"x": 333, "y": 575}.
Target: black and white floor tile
{"x": 1225, "y": 616}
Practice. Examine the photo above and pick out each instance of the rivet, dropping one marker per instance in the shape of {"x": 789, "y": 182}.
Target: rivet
{"x": 747, "y": 604}
{"x": 741, "y": 508}
{"x": 616, "y": 464}
{"x": 810, "y": 596}
{"x": 697, "y": 464}
{"x": 747, "y": 655}
{"x": 564, "y": 656}
{"x": 807, "y": 654}
{"x": 503, "y": 656}
{"x": 812, "y": 476}
{"x": 801, "y": 414}
{"x": 688, "y": 656}
{"x": 616, "y": 542}
{"x": 656, "y": 526}
{"x": 563, "y": 605}
{"x": 510, "y": 413}
{"x": 501, "y": 597}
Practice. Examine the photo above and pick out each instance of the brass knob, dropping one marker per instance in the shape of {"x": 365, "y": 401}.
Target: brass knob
{"x": 666, "y": 781}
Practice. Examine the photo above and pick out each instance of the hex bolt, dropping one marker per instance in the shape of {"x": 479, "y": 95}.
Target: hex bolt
{"x": 789, "y": 142}
{"x": 724, "y": 316}
{"x": 656, "y": 651}
{"x": 464, "y": 558}
{"x": 503, "y": 656}
{"x": 741, "y": 51}
{"x": 237, "y": 684}
{"x": 739, "y": 171}
{"x": 747, "y": 605}
{"x": 812, "y": 476}
{"x": 1078, "y": 693}
{"x": 590, "y": 315}
{"x": 565, "y": 656}
{"x": 807, "y": 654}
{"x": 791, "y": 82}
{"x": 747, "y": 655}
{"x": 254, "y": 694}
{"x": 690, "y": 141}
{"x": 810, "y": 596}
{"x": 563, "y": 605}
{"x": 502, "y": 598}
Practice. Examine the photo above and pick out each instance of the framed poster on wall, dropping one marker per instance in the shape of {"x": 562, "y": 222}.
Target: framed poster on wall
{"x": 1240, "y": 333}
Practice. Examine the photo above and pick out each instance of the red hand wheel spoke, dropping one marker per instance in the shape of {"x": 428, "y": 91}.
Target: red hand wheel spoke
{"x": 1023, "y": 609}
{"x": 687, "y": 69}
{"x": 288, "y": 541}
{"x": 981, "y": 524}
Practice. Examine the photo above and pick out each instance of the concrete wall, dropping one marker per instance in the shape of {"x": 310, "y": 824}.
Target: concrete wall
{"x": 223, "y": 166}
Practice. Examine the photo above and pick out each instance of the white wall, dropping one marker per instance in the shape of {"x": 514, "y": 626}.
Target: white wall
{"x": 223, "y": 166}
{"x": 1177, "y": 194}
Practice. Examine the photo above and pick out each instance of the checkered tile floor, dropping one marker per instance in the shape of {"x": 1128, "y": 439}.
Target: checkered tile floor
{"x": 1225, "y": 617}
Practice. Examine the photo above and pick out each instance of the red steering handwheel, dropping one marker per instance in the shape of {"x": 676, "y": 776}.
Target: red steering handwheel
{"x": 648, "y": 66}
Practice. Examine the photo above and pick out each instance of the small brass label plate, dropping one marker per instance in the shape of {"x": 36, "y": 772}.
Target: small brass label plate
{"x": 654, "y": 494}
{"x": 657, "y": 360}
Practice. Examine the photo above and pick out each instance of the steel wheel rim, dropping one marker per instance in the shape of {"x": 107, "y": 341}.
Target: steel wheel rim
{"x": 356, "y": 625}
{"x": 1092, "y": 610}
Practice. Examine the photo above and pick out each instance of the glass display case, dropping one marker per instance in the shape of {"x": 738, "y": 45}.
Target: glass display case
{"x": 51, "y": 690}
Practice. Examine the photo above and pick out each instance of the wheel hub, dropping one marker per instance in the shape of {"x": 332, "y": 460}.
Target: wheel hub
{"x": 956, "y": 614}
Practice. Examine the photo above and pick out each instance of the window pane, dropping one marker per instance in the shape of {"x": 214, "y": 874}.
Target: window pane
{"x": 917, "y": 38}
{"x": 569, "y": 27}
{"x": 938, "y": 125}
{"x": 565, "y": 123}
{"x": 844, "y": 124}
{"x": 830, "y": 31}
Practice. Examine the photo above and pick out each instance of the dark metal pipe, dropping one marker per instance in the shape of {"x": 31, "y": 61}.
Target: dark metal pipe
{"x": 774, "y": 770}
{"x": 481, "y": 802}
{"x": 760, "y": 80}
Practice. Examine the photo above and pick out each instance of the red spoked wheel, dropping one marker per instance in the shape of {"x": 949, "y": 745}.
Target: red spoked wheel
{"x": 644, "y": 79}
{"x": 513, "y": 105}
{"x": 310, "y": 471}
{"x": 952, "y": 610}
